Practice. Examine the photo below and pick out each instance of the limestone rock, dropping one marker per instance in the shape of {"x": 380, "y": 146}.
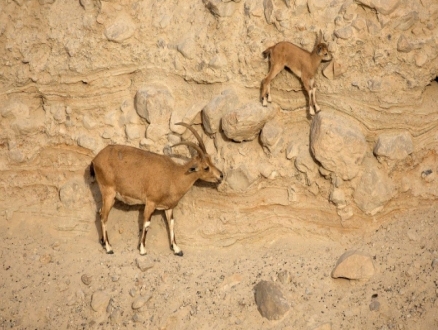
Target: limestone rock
{"x": 338, "y": 144}
{"x": 268, "y": 9}
{"x": 403, "y": 45}
{"x": 187, "y": 47}
{"x": 157, "y": 132}
{"x": 71, "y": 193}
{"x": 87, "y": 142}
{"x": 120, "y": 29}
{"x": 155, "y": 104}
{"x": 239, "y": 179}
{"x": 245, "y": 123}
{"x": 217, "y": 108}
{"x": 345, "y": 32}
{"x": 220, "y": 8}
{"x": 317, "y": 5}
{"x": 144, "y": 263}
{"x": 305, "y": 164}
{"x": 271, "y": 135}
{"x": 231, "y": 281}
{"x": 100, "y": 301}
{"x": 394, "y": 145}
{"x": 270, "y": 300}
{"x": 407, "y": 21}
{"x": 337, "y": 197}
{"x": 359, "y": 24}
{"x": 385, "y": 7}
{"x": 354, "y": 265}
{"x": 15, "y": 109}
{"x": 133, "y": 131}
{"x": 140, "y": 302}
{"x": 374, "y": 190}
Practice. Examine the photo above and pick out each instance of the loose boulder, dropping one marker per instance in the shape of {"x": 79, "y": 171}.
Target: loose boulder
{"x": 354, "y": 265}
{"x": 217, "y": 108}
{"x": 270, "y": 300}
{"x": 100, "y": 301}
{"x": 245, "y": 123}
{"x": 395, "y": 146}
{"x": 155, "y": 104}
{"x": 374, "y": 190}
{"x": 338, "y": 144}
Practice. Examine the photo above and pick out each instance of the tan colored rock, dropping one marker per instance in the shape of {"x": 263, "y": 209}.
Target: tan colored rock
{"x": 374, "y": 190}
{"x": 394, "y": 146}
{"x": 100, "y": 301}
{"x": 239, "y": 179}
{"x": 403, "y": 45}
{"x": 271, "y": 135}
{"x": 270, "y": 300}
{"x": 122, "y": 28}
{"x": 220, "y": 8}
{"x": 354, "y": 265}
{"x": 345, "y": 32}
{"x": 338, "y": 144}
{"x": 245, "y": 123}
{"x": 155, "y": 104}
{"x": 217, "y": 108}
{"x": 385, "y": 7}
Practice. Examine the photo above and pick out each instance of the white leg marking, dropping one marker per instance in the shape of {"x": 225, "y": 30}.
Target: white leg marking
{"x": 265, "y": 103}
{"x": 108, "y": 247}
{"x": 143, "y": 238}
{"x": 175, "y": 247}
{"x": 314, "y": 100}
{"x": 142, "y": 249}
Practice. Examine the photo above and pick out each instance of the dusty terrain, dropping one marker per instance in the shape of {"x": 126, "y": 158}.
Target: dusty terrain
{"x": 212, "y": 288}
{"x": 299, "y": 191}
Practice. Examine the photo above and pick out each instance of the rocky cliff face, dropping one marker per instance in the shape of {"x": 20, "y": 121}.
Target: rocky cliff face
{"x": 78, "y": 75}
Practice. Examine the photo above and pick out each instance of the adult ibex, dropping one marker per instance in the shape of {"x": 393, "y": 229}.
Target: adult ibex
{"x": 136, "y": 176}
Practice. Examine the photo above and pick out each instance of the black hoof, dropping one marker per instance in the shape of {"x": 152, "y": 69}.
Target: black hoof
{"x": 110, "y": 252}
{"x": 179, "y": 254}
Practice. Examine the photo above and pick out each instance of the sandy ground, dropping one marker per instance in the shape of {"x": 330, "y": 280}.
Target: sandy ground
{"x": 48, "y": 279}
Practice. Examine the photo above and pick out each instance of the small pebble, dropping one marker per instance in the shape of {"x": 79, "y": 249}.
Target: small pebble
{"x": 374, "y": 306}
{"x": 86, "y": 279}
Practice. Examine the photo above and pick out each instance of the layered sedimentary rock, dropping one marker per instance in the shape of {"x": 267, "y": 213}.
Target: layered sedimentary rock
{"x": 78, "y": 75}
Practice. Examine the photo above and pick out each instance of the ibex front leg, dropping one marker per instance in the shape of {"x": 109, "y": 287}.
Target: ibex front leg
{"x": 171, "y": 223}
{"x": 313, "y": 88}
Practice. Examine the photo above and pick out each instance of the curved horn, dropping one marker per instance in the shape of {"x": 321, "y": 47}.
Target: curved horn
{"x": 191, "y": 144}
{"x": 201, "y": 143}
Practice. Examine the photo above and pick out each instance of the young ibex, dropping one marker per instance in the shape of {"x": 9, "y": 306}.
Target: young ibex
{"x": 300, "y": 62}
{"x": 136, "y": 176}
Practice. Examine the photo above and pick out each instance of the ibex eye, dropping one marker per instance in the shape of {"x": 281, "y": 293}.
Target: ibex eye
{"x": 206, "y": 168}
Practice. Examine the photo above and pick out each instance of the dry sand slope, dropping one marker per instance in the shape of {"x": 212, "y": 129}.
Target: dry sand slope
{"x": 51, "y": 280}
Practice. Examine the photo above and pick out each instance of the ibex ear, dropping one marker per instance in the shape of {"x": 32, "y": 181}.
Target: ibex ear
{"x": 194, "y": 168}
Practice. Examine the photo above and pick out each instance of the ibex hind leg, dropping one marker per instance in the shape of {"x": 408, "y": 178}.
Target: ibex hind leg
{"x": 107, "y": 203}
{"x": 171, "y": 222}
{"x": 266, "y": 84}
